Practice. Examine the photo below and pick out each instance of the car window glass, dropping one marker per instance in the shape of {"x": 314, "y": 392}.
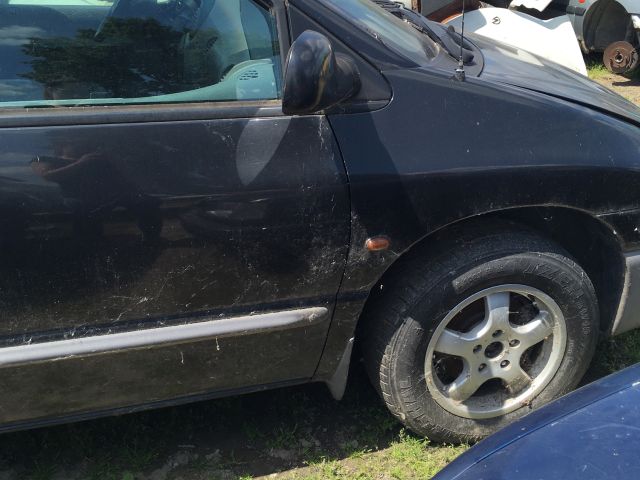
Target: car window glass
{"x": 396, "y": 34}
{"x": 78, "y": 52}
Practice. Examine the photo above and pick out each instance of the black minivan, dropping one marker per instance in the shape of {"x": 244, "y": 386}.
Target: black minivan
{"x": 208, "y": 197}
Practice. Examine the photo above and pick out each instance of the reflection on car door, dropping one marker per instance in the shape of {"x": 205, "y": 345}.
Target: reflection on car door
{"x": 159, "y": 252}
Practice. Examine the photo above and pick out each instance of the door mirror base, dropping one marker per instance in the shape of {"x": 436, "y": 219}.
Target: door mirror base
{"x": 315, "y": 77}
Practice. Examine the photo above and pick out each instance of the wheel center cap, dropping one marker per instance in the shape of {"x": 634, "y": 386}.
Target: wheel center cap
{"x": 493, "y": 350}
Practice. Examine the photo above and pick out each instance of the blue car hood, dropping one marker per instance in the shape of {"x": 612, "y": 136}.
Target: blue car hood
{"x": 592, "y": 433}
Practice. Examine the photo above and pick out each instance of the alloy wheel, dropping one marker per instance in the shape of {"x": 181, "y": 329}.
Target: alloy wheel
{"x": 495, "y": 351}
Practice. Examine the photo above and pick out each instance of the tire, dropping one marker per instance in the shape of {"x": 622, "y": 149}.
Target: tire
{"x": 488, "y": 266}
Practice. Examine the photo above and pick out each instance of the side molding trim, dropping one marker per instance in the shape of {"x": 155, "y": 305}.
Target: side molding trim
{"x": 220, "y": 328}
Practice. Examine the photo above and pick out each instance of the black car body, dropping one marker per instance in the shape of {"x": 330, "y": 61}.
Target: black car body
{"x": 159, "y": 248}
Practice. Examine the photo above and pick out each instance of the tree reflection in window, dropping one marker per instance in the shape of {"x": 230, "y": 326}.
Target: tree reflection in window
{"x": 131, "y": 57}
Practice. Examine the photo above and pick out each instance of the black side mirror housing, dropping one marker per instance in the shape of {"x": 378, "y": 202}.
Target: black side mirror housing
{"x": 315, "y": 77}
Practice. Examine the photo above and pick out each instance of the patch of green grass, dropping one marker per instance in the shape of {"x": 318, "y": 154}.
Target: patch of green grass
{"x": 335, "y": 470}
{"x": 616, "y": 353}
{"x": 416, "y": 458}
{"x": 324, "y": 469}
{"x": 595, "y": 67}
{"x": 283, "y": 437}
{"x": 408, "y": 457}
{"x": 597, "y": 70}
{"x": 356, "y": 453}
{"x": 372, "y": 423}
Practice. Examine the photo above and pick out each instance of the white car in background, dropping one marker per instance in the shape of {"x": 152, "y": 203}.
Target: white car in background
{"x": 607, "y": 27}
{"x": 553, "y": 39}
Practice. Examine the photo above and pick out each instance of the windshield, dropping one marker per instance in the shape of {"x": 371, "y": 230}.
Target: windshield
{"x": 395, "y": 33}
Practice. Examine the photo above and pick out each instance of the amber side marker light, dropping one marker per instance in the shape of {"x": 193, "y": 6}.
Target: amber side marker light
{"x": 376, "y": 244}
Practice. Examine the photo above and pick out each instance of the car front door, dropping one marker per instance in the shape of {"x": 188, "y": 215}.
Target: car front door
{"x": 165, "y": 231}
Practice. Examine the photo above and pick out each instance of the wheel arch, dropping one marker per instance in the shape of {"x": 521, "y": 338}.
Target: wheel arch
{"x": 590, "y": 241}
{"x": 605, "y": 22}
{"x": 566, "y": 225}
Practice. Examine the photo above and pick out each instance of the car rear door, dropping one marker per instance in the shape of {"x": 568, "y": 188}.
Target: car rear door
{"x": 165, "y": 231}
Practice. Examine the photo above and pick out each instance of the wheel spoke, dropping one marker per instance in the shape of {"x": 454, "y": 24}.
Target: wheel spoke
{"x": 516, "y": 379}
{"x": 474, "y": 366}
{"x": 497, "y": 310}
{"x": 534, "y": 331}
{"x": 453, "y": 343}
{"x": 465, "y": 385}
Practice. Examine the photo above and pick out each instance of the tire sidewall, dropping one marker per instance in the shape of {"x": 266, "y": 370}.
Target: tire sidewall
{"x": 553, "y": 274}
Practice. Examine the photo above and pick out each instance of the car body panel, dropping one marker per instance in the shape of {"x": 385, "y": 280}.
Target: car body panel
{"x": 150, "y": 221}
{"x": 164, "y": 373}
{"x": 398, "y": 187}
{"x": 468, "y": 174}
{"x": 585, "y": 16}
{"x": 120, "y": 219}
{"x": 514, "y": 66}
{"x": 125, "y": 226}
{"x": 595, "y": 23}
{"x": 590, "y": 433}
{"x": 552, "y": 39}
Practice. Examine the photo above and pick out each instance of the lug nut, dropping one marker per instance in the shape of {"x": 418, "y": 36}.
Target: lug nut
{"x": 514, "y": 343}
{"x": 504, "y": 363}
{"x": 477, "y": 348}
{"x": 497, "y": 333}
{"x": 482, "y": 367}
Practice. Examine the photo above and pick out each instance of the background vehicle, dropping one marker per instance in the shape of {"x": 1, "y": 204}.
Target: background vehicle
{"x": 608, "y": 27}
{"x": 590, "y": 433}
{"x": 186, "y": 211}
{"x": 552, "y": 39}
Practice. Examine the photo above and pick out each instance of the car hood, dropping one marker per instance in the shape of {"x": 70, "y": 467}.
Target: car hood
{"x": 590, "y": 433}
{"x": 513, "y": 66}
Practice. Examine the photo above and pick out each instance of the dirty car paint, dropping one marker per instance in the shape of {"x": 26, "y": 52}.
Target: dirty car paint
{"x": 589, "y": 434}
{"x": 112, "y": 228}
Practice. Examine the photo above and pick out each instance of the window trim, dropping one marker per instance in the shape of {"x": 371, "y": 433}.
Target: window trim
{"x": 282, "y": 28}
{"x": 150, "y": 113}
{"x": 159, "y": 112}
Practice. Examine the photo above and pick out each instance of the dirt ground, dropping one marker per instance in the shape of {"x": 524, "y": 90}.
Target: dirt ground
{"x": 292, "y": 433}
{"x": 627, "y": 87}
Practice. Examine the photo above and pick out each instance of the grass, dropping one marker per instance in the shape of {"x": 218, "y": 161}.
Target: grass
{"x": 597, "y": 70}
{"x": 407, "y": 457}
{"x": 296, "y": 433}
{"x": 595, "y": 67}
{"x": 615, "y": 354}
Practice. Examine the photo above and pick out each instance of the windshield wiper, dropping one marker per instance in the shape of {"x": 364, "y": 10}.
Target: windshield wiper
{"x": 452, "y": 41}
{"x": 447, "y": 37}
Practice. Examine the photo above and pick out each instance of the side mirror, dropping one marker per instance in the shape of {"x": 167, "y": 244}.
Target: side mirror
{"x": 315, "y": 77}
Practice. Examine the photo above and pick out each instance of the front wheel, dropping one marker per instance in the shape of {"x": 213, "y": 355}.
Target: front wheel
{"x": 473, "y": 337}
